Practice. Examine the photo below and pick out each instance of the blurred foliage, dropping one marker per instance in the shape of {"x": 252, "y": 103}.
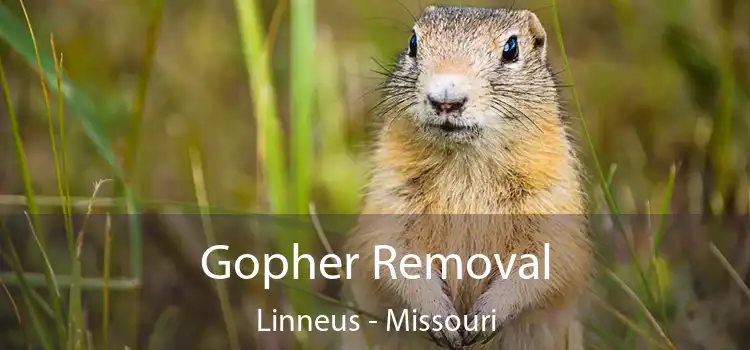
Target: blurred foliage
{"x": 662, "y": 84}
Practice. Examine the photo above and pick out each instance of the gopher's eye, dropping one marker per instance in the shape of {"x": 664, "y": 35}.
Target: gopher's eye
{"x": 510, "y": 50}
{"x": 413, "y": 46}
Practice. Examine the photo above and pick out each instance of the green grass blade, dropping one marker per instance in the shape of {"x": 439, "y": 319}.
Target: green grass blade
{"x": 113, "y": 202}
{"x": 39, "y": 299}
{"x": 657, "y": 239}
{"x": 41, "y": 302}
{"x": 17, "y": 312}
{"x": 132, "y": 208}
{"x": 721, "y": 137}
{"x": 123, "y": 284}
{"x": 343, "y": 187}
{"x": 132, "y": 204}
{"x": 76, "y": 332}
{"x": 164, "y": 330}
{"x": 49, "y": 273}
{"x": 200, "y": 193}
{"x": 41, "y": 328}
{"x": 36, "y": 280}
{"x": 165, "y": 206}
{"x": 65, "y": 192}
{"x": 665, "y": 209}
{"x": 48, "y": 112}
{"x": 273, "y": 27}
{"x": 31, "y": 203}
{"x": 736, "y": 277}
{"x": 39, "y": 237}
{"x": 127, "y": 185}
{"x": 632, "y": 325}
{"x": 303, "y": 38}
{"x": 609, "y": 198}
{"x": 49, "y": 279}
{"x": 23, "y": 168}
{"x": 106, "y": 280}
{"x": 579, "y": 112}
{"x": 302, "y": 94}
{"x": 13, "y": 32}
{"x": 269, "y": 135}
{"x": 139, "y": 103}
{"x": 643, "y": 307}
{"x": 605, "y": 335}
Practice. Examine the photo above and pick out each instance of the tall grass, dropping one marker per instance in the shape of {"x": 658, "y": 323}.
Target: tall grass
{"x": 71, "y": 333}
{"x": 268, "y": 129}
{"x": 720, "y": 140}
{"x": 16, "y": 261}
{"x": 604, "y": 183}
{"x": 303, "y": 55}
{"x": 202, "y": 199}
{"x": 289, "y": 173}
{"x": 270, "y": 150}
{"x": 23, "y": 168}
{"x": 721, "y": 137}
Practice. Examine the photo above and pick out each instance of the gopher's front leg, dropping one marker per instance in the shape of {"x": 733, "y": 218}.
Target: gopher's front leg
{"x": 494, "y": 308}
{"x": 429, "y": 297}
{"x": 507, "y": 297}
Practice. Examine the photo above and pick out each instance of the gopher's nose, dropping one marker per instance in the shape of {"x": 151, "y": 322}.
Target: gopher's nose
{"x": 447, "y": 93}
{"x": 446, "y": 106}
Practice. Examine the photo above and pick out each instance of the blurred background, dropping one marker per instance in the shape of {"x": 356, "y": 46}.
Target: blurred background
{"x": 175, "y": 103}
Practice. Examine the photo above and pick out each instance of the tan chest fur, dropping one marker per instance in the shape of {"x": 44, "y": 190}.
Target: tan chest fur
{"x": 473, "y": 202}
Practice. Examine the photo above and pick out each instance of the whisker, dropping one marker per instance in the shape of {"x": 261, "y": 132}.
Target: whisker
{"x": 535, "y": 85}
{"x": 554, "y": 74}
{"x": 404, "y": 26}
{"x": 395, "y": 76}
{"x": 413, "y": 17}
{"x": 510, "y": 94}
{"x": 526, "y": 115}
{"x": 398, "y": 113}
{"x": 499, "y": 101}
{"x": 527, "y": 96}
{"x": 503, "y": 112}
{"x": 392, "y": 102}
{"x": 506, "y": 114}
{"x": 387, "y": 69}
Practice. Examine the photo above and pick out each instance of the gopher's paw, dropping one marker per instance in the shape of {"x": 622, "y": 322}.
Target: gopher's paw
{"x": 446, "y": 338}
{"x": 439, "y": 304}
{"x": 485, "y": 322}
{"x": 479, "y": 330}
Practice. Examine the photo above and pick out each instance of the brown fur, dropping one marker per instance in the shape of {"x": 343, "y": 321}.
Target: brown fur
{"x": 518, "y": 166}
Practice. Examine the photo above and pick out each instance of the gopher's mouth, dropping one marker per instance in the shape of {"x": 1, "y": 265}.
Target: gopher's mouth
{"x": 452, "y": 127}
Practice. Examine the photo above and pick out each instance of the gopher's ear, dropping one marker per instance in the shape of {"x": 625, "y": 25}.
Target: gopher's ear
{"x": 537, "y": 32}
